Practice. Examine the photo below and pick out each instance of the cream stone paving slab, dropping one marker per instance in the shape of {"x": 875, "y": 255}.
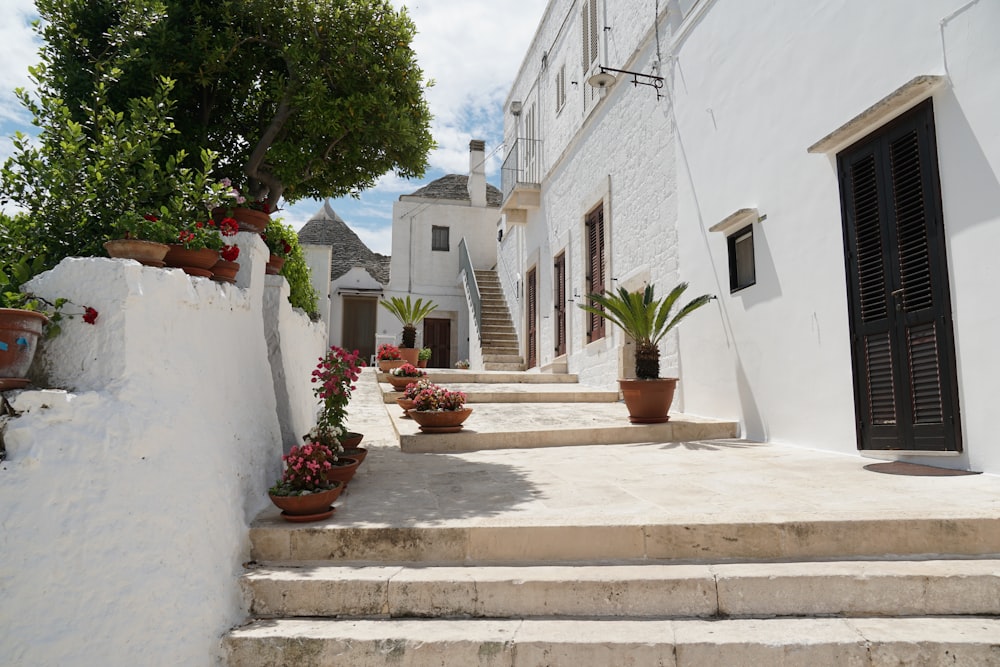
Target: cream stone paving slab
{"x": 518, "y": 392}
{"x": 654, "y": 484}
{"x": 773, "y": 642}
{"x": 969, "y": 642}
{"x": 859, "y": 588}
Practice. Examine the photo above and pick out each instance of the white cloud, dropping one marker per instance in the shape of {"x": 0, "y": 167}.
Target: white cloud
{"x": 20, "y": 50}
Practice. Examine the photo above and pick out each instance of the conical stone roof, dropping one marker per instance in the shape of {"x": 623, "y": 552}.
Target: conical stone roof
{"x": 456, "y": 188}
{"x": 328, "y": 228}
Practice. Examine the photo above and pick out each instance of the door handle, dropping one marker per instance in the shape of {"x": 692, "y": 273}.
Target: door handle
{"x": 898, "y": 296}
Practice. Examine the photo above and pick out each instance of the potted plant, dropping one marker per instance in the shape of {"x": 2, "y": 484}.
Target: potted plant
{"x": 646, "y": 320}
{"x": 410, "y": 314}
{"x": 196, "y": 248}
{"x": 144, "y": 238}
{"x": 438, "y": 410}
{"x": 335, "y": 376}
{"x": 25, "y": 319}
{"x": 410, "y": 392}
{"x": 305, "y": 491}
{"x": 388, "y": 357}
{"x": 423, "y": 356}
{"x": 462, "y": 365}
{"x": 278, "y": 238}
{"x": 404, "y": 375}
{"x": 252, "y": 215}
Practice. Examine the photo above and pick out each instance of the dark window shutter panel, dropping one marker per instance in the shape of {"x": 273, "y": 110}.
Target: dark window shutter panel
{"x": 881, "y": 391}
{"x": 911, "y": 228}
{"x": 868, "y": 231}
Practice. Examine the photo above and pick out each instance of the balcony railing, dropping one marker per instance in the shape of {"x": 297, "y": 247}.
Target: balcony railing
{"x": 523, "y": 165}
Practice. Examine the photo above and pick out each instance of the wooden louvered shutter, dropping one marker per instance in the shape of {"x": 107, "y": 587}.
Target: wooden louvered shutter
{"x": 559, "y": 296}
{"x": 532, "y": 299}
{"x": 902, "y": 345}
{"x": 595, "y": 268}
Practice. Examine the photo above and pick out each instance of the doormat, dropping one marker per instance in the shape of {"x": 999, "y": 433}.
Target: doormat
{"x": 915, "y": 469}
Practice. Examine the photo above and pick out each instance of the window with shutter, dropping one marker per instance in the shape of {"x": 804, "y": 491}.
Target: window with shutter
{"x": 439, "y": 238}
{"x": 532, "y": 304}
{"x": 559, "y": 297}
{"x": 900, "y": 309}
{"x": 595, "y": 267}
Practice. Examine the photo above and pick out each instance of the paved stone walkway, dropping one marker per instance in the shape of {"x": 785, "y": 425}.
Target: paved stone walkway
{"x": 691, "y": 482}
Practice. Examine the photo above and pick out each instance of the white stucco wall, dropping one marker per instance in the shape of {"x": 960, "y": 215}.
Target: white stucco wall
{"x": 748, "y": 104}
{"x": 128, "y": 491}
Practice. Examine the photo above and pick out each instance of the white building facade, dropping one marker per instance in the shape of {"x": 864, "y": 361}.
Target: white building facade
{"x": 428, "y": 230}
{"x": 829, "y": 170}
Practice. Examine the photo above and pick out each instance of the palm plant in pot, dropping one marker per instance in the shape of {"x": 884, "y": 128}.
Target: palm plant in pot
{"x": 410, "y": 314}
{"x": 646, "y": 320}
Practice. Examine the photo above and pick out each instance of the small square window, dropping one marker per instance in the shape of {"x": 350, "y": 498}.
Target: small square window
{"x": 439, "y": 238}
{"x": 741, "y": 265}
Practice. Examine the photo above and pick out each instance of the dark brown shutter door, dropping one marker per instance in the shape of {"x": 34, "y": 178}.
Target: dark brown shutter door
{"x": 595, "y": 276}
{"x": 532, "y": 289}
{"x": 903, "y": 350}
{"x": 559, "y": 296}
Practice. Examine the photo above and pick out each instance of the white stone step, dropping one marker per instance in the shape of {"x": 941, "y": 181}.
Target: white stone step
{"x": 865, "y": 642}
{"x": 736, "y": 590}
{"x": 274, "y": 540}
{"x": 521, "y": 393}
{"x": 456, "y": 375}
{"x": 503, "y": 366}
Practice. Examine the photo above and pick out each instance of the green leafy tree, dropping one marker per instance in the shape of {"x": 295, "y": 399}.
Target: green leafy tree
{"x": 645, "y": 319}
{"x": 298, "y": 98}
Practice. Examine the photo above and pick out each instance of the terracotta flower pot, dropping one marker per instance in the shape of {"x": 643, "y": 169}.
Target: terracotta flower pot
{"x": 440, "y": 421}
{"x": 409, "y": 354}
{"x": 351, "y": 440}
{"x": 274, "y": 264}
{"x": 386, "y": 365}
{"x": 19, "y": 334}
{"x": 343, "y": 473}
{"x": 149, "y": 253}
{"x": 406, "y": 404}
{"x": 313, "y": 507}
{"x": 358, "y": 453}
{"x": 648, "y": 401}
{"x": 193, "y": 262}
{"x": 225, "y": 272}
{"x": 400, "y": 383}
{"x": 250, "y": 220}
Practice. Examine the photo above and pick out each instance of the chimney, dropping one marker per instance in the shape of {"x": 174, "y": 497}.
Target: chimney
{"x": 477, "y": 172}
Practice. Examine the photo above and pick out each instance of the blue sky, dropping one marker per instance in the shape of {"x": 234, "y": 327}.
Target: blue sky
{"x": 472, "y": 49}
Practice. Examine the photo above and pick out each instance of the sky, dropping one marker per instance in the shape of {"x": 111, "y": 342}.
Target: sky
{"x": 472, "y": 49}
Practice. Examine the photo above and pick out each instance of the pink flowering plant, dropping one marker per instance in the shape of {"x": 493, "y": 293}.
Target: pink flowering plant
{"x": 335, "y": 377}
{"x": 407, "y": 371}
{"x": 306, "y": 468}
{"x": 415, "y": 388}
{"x": 436, "y": 397}
{"x": 388, "y": 352}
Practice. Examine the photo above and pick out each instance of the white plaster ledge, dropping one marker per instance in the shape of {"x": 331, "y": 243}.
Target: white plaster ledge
{"x": 894, "y": 104}
{"x": 736, "y": 221}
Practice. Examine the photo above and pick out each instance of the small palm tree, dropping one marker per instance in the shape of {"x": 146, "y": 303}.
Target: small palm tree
{"x": 409, "y": 314}
{"x": 645, "y": 319}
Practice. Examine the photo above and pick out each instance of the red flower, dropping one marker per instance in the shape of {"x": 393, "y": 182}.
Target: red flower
{"x": 151, "y": 217}
{"x": 229, "y": 227}
{"x": 184, "y": 236}
{"x": 198, "y": 225}
{"x": 286, "y": 247}
{"x": 230, "y": 253}
{"x": 90, "y": 316}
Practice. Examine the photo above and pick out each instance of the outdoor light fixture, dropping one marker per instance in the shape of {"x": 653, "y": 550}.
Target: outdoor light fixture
{"x": 604, "y": 79}
{"x": 515, "y": 107}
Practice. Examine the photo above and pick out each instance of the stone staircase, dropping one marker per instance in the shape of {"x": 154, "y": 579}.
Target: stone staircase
{"x": 710, "y": 553}
{"x": 499, "y": 339}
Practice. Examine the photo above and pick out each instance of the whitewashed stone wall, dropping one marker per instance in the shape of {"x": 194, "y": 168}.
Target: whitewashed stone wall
{"x": 128, "y": 489}
{"x": 619, "y": 151}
